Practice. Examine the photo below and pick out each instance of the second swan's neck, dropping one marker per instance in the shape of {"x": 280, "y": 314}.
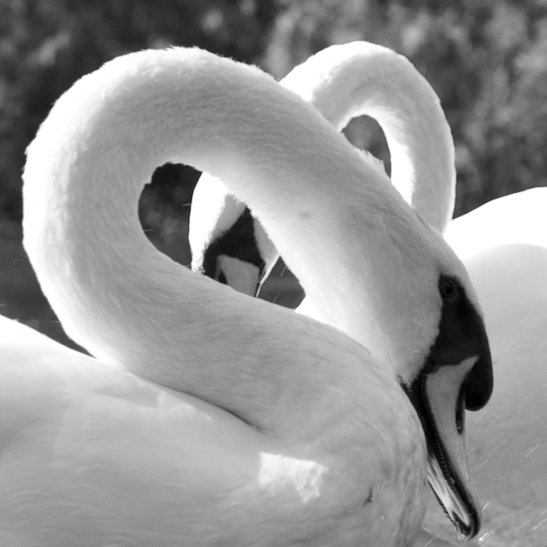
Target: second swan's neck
{"x": 360, "y": 78}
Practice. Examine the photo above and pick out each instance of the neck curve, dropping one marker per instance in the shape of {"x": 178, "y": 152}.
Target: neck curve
{"x": 343, "y": 82}
{"x": 119, "y": 297}
{"x": 350, "y": 80}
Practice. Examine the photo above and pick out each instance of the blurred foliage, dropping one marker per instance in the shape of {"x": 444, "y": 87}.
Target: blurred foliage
{"x": 45, "y": 45}
{"x": 485, "y": 59}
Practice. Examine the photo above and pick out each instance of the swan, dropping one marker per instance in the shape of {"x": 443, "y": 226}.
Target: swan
{"x": 503, "y": 245}
{"x": 205, "y": 416}
{"x": 341, "y": 82}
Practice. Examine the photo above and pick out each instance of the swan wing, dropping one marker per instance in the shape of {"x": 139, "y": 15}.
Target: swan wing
{"x": 90, "y": 450}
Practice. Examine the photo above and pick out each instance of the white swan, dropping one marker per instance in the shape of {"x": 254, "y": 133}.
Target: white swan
{"x": 341, "y": 82}
{"x": 503, "y": 244}
{"x": 271, "y": 429}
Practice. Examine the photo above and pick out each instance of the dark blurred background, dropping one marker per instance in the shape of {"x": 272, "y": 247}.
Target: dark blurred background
{"x": 487, "y": 60}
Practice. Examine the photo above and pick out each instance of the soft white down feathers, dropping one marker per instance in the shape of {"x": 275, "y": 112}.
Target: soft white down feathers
{"x": 208, "y": 417}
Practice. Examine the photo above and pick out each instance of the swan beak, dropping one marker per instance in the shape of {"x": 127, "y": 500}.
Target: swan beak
{"x": 239, "y": 274}
{"x": 234, "y": 258}
{"x": 439, "y": 395}
{"x": 457, "y": 375}
{"x": 443, "y": 407}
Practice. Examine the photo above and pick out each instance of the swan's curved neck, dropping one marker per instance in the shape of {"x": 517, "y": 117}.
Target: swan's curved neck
{"x": 124, "y": 301}
{"x": 351, "y": 80}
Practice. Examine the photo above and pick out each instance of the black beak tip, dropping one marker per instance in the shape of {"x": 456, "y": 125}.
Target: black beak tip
{"x": 479, "y": 384}
{"x": 468, "y": 531}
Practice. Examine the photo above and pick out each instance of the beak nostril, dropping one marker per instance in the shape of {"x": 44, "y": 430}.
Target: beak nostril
{"x": 460, "y": 412}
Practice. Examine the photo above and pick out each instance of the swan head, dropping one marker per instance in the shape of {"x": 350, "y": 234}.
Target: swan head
{"x": 452, "y": 374}
{"x": 228, "y": 243}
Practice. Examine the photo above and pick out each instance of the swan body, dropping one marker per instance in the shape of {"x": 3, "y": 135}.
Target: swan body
{"x": 209, "y": 417}
{"x": 514, "y": 219}
{"x": 342, "y": 82}
{"x": 510, "y": 439}
{"x": 503, "y": 246}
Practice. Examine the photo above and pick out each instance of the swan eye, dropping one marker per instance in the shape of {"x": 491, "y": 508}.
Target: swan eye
{"x": 449, "y": 289}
